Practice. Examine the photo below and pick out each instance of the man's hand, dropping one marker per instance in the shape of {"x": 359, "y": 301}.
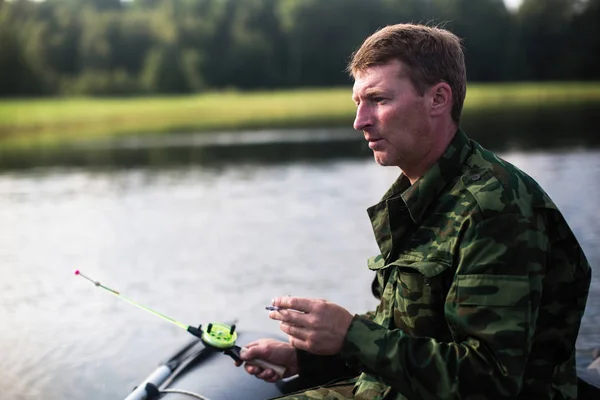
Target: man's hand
{"x": 273, "y": 351}
{"x": 314, "y": 325}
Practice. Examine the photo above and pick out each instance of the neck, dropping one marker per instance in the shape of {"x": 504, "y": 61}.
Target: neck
{"x": 440, "y": 139}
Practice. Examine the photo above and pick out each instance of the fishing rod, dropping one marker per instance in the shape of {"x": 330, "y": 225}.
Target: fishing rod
{"x": 218, "y": 336}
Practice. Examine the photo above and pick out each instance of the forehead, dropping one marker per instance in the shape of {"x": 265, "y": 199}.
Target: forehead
{"x": 383, "y": 77}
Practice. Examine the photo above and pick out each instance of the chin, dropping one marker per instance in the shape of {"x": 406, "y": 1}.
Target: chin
{"x": 385, "y": 160}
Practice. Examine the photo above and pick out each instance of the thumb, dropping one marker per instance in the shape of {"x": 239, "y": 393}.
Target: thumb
{"x": 250, "y": 353}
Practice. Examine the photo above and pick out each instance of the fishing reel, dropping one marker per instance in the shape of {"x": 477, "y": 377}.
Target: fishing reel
{"x": 216, "y": 336}
{"x": 219, "y": 337}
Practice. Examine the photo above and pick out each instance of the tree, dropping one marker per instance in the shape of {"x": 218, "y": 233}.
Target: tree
{"x": 16, "y": 75}
{"x": 189, "y": 45}
{"x": 163, "y": 71}
{"x": 322, "y": 34}
{"x": 543, "y": 38}
{"x": 485, "y": 27}
{"x": 585, "y": 42}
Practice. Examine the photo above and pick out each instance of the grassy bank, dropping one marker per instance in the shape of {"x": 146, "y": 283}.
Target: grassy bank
{"x": 52, "y": 121}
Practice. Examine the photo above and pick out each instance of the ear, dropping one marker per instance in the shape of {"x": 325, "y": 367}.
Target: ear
{"x": 441, "y": 98}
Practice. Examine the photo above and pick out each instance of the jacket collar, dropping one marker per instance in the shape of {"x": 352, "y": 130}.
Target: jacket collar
{"x": 403, "y": 202}
{"x": 419, "y": 196}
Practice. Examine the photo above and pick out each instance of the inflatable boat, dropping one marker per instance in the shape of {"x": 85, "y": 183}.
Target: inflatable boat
{"x": 199, "y": 370}
{"x": 202, "y": 371}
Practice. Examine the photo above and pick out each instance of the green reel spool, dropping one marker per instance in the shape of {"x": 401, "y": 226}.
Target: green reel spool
{"x": 220, "y": 336}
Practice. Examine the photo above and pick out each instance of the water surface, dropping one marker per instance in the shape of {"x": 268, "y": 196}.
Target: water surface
{"x": 213, "y": 236}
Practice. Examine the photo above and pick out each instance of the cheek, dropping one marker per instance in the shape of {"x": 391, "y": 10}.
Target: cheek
{"x": 394, "y": 115}
{"x": 389, "y": 118}
{"x": 394, "y": 122}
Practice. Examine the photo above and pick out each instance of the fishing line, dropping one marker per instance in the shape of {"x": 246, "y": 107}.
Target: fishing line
{"x": 119, "y": 295}
{"x": 216, "y": 335}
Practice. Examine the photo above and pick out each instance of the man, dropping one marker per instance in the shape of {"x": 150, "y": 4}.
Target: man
{"x": 482, "y": 283}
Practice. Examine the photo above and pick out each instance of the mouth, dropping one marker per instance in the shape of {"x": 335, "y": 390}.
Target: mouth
{"x": 370, "y": 137}
{"x": 374, "y": 143}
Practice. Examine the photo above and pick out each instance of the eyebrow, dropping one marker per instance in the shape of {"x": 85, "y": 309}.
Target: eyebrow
{"x": 373, "y": 91}
{"x": 370, "y": 92}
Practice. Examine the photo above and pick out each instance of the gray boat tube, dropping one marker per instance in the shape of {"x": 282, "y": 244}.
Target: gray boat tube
{"x": 156, "y": 378}
{"x": 201, "y": 372}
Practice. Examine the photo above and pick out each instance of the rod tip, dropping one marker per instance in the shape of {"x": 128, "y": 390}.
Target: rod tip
{"x": 76, "y": 272}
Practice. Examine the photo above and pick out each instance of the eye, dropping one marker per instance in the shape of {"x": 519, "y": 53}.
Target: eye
{"x": 378, "y": 99}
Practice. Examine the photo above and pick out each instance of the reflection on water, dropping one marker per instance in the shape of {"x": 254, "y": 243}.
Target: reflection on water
{"x": 211, "y": 232}
{"x": 524, "y": 129}
{"x": 204, "y": 149}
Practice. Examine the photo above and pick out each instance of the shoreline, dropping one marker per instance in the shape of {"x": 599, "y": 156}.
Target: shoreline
{"x": 50, "y": 122}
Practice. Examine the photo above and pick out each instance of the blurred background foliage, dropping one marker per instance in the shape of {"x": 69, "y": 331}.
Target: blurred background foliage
{"x": 113, "y": 47}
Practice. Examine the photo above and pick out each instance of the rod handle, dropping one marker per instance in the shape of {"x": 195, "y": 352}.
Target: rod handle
{"x": 279, "y": 369}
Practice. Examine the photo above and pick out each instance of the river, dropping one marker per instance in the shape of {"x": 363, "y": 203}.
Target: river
{"x": 206, "y": 230}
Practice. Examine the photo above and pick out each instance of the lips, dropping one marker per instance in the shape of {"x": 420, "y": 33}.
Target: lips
{"x": 375, "y": 141}
{"x": 369, "y": 137}
{"x": 375, "y": 144}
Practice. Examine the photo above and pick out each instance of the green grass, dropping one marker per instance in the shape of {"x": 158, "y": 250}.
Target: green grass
{"x": 52, "y": 121}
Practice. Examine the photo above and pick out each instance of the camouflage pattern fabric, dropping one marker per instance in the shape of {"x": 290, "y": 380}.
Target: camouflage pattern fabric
{"x": 339, "y": 391}
{"x": 483, "y": 287}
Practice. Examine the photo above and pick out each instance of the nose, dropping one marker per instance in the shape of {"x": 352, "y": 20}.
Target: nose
{"x": 363, "y": 117}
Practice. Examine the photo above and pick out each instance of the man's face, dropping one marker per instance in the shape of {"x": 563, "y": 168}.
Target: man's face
{"x": 392, "y": 116}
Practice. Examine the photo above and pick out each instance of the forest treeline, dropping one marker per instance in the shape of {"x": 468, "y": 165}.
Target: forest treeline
{"x": 113, "y": 47}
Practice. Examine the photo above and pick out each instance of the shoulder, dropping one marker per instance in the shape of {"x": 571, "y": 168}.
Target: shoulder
{"x": 498, "y": 187}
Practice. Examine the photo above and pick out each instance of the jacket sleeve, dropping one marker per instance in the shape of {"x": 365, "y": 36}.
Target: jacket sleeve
{"x": 491, "y": 309}
{"x": 320, "y": 369}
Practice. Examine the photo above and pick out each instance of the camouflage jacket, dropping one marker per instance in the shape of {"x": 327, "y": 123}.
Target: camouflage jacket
{"x": 483, "y": 287}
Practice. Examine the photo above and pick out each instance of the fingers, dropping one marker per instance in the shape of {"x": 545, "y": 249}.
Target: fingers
{"x": 261, "y": 348}
{"x": 252, "y": 351}
{"x": 251, "y": 344}
{"x": 297, "y": 332}
{"x": 265, "y": 374}
{"x": 253, "y": 369}
{"x": 320, "y": 329}
{"x": 268, "y": 359}
{"x": 294, "y": 310}
{"x": 292, "y": 318}
{"x": 299, "y": 343}
{"x": 295, "y": 303}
